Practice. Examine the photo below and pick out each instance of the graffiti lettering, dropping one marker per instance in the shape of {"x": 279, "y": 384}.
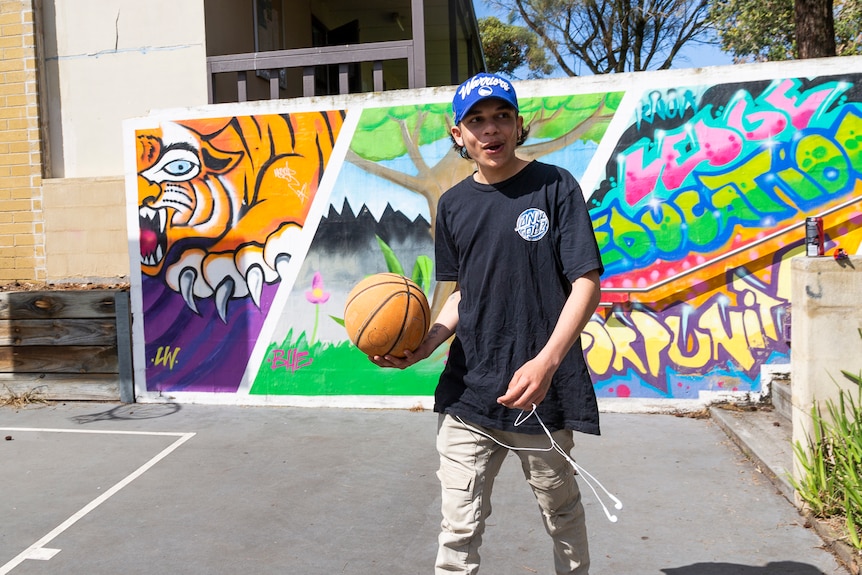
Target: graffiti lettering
{"x": 740, "y": 329}
{"x": 673, "y": 105}
{"x": 293, "y": 359}
{"x": 759, "y": 163}
{"x": 674, "y": 157}
{"x": 288, "y": 174}
{"x": 166, "y": 357}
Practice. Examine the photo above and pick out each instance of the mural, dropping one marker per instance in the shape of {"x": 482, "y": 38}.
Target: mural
{"x": 253, "y": 229}
{"x": 219, "y": 203}
{"x": 696, "y": 218}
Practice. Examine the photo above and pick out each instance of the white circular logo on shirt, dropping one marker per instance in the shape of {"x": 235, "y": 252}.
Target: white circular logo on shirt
{"x": 532, "y": 224}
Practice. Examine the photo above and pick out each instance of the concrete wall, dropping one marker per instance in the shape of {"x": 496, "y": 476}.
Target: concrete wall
{"x": 827, "y": 317}
{"x": 698, "y": 184}
{"x": 108, "y": 60}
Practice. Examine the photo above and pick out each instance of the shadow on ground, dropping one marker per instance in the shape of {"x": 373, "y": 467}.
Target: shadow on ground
{"x": 130, "y": 411}
{"x": 779, "y": 568}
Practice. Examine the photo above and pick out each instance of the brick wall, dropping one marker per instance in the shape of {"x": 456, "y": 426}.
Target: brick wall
{"x": 22, "y": 233}
{"x": 85, "y": 229}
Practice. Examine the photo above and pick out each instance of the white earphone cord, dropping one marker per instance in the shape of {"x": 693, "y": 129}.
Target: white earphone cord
{"x": 580, "y": 470}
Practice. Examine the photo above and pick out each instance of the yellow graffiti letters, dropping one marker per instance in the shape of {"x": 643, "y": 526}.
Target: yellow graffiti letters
{"x": 764, "y": 304}
{"x": 598, "y": 347}
{"x": 166, "y": 357}
{"x": 728, "y": 335}
{"x": 738, "y": 329}
{"x": 623, "y": 337}
{"x": 656, "y": 338}
{"x": 692, "y": 354}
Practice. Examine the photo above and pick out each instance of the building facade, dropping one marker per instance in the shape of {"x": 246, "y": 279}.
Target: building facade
{"x": 74, "y": 71}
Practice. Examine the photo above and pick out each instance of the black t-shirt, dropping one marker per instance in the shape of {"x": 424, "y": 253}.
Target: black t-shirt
{"x": 515, "y": 248}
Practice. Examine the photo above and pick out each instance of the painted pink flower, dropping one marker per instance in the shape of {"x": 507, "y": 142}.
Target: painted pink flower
{"x": 316, "y": 293}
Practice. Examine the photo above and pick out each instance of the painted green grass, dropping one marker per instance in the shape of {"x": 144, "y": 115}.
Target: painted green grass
{"x": 338, "y": 369}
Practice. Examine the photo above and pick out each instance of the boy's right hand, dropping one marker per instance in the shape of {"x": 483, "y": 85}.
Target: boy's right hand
{"x": 397, "y": 362}
{"x": 436, "y": 335}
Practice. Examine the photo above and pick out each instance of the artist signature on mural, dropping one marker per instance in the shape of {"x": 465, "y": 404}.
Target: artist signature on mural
{"x": 292, "y": 359}
{"x": 166, "y": 357}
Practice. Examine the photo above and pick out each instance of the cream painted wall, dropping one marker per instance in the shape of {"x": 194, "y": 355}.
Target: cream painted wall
{"x": 109, "y": 60}
{"x": 827, "y": 317}
{"x": 85, "y": 230}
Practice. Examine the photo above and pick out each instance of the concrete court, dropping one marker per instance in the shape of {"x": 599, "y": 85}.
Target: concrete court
{"x": 260, "y": 490}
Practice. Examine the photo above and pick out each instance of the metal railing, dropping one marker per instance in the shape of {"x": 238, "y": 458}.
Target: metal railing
{"x": 308, "y": 59}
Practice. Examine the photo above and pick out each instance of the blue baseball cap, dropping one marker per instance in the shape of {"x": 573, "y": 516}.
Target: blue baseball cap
{"x": 481, "y": 87}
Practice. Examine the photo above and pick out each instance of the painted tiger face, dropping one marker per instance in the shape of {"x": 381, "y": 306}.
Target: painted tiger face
{"x": 188, "y": 197}
{"x": 220, "y": 199}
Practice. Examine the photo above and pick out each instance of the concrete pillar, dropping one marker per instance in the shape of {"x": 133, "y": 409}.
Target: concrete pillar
{"x": 826, "y": 299}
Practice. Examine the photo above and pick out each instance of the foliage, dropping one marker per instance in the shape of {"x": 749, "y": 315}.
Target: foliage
{"x": 421, "y": 268}
{"x": 831, "y": 463}
{"x": 756, "y": 30}
{"x": 607, "y": 36}
{"x": 848, "y": 27}
{"x": 421, "y": 276}
{"x": 761, "y": 30}
{"x": 508, "y": 47}
{"x": 569, "y": 113}
{"x": 390, "y": 133}
{"x": 311, "y": 372}
{"x": 27, "y": 397}
{"x": 382, "y": 132}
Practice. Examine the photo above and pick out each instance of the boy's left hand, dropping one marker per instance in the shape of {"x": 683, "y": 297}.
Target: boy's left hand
{"x": 528, "y": 386}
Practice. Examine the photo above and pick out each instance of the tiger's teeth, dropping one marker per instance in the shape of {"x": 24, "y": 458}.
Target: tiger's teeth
{"x": 223, "y": 293}
{"x": 254, "y": 279}
{"x": 187, "y": 285}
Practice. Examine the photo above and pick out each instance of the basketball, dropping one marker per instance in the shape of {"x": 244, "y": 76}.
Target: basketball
{"x": 386, "y": 314}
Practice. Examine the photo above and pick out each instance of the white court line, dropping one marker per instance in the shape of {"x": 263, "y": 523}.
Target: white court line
{"x": 37, "y": 550}
{"x": 103, "y": 431}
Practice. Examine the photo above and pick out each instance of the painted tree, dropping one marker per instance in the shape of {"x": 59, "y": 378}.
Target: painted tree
{"x": 400, "y": 131}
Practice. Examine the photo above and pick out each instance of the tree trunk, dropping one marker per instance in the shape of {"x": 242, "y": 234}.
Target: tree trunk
{"x": 815, "y": 29}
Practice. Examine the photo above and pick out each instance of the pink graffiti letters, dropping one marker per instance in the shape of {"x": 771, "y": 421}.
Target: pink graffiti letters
{"x": 292, "y": 359}
{"x": 702, "y": 143}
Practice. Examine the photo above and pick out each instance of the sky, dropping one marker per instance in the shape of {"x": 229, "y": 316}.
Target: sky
{"x": 695, "y": 56}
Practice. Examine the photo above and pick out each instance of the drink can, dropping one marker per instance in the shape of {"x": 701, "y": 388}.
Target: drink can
{"x": 814, "y": 236}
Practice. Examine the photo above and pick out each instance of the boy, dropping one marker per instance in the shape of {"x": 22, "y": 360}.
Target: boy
{"x": 517, "y": 239}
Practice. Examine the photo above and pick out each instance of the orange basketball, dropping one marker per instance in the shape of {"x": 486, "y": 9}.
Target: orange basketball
{"x": 386, "y": 314}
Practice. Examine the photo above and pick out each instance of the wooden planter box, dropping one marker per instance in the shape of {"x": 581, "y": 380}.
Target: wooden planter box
{"x": 66, "y": 345}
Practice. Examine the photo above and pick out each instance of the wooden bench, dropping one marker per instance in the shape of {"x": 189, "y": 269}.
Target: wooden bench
{"x": 66, "y": 345}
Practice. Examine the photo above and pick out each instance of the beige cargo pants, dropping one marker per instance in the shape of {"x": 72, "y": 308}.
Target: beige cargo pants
{"x": 469, "y": 463}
